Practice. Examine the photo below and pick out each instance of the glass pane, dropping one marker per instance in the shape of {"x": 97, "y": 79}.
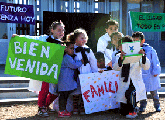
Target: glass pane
{"x": 132, "y": 7}
{"x": 62, "y": 5}
{"x": 80, "y": 6}
{"x": 3, "y": 31}
{"x": 147, "y": 6}
{"x": 99, "y": 6}
{"x": 114, "y": 9}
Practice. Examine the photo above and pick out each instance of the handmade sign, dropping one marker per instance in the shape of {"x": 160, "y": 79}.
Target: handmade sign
{"x": 131, "y": 48}
{"x": 34, "y": 59}
{"x": 147, "y": 22}
{"x": 16, "y": 13}
{"x": 99, "y": 91}
{"x": 132, "y": 52}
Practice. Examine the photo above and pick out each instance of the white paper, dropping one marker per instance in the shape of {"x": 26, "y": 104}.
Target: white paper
{"x": 131, "y": 48}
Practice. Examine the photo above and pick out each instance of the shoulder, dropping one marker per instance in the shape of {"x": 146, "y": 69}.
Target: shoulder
{"x": 104, "y": 37}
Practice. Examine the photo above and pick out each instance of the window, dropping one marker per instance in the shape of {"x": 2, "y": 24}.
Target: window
{"x": 99, "y": 6}
{"x": 114, "y": 10}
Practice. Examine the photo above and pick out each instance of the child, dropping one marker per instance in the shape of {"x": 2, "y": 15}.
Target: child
{"x": 150, "y": 77}
{"x": 104, "y": 43}
{"x": 66, "y": 81}
{"x": 115, "y": 38}
{"x": 45, "y": 98}
{"x": 101, "y": 62}
{"x": 82, "y": 51}
{"x": 130, "y": 81}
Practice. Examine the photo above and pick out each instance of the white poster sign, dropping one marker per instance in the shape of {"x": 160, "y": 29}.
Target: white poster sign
{"x": 99, "y": 91}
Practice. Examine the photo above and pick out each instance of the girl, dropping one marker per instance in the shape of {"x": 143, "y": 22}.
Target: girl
{"x": 66, "y": 81}
{"x": 45, "y": 98}
{"x": 82, "y": 51}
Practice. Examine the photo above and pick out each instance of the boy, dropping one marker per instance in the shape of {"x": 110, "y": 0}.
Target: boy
{"x": 131, "y": 86}
{"x": 101, "y": 62}
{"x": 104, "y": 43}
{"x": 150, "y": 77}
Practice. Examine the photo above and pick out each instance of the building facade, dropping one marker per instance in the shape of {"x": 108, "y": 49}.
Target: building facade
{"x": 118, "y": 9}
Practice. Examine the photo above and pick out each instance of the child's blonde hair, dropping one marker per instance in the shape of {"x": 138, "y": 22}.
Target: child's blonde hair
{"x": 74, "y": 35}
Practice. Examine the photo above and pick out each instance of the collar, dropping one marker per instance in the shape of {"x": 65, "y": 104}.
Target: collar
{"x": 75, "y": 46}
{"x": 54, "y": 38}
{"x": 107, "y": 37}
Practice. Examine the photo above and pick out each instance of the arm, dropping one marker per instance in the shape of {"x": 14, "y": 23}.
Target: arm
{"x": 156, "y": 69}
{"x": 74, "y": 64}
{"x": 145, "y": 63}
{"x": 93, "y": 61}
{"x": 118, "y": 63}
{"x": 101, "y": 46}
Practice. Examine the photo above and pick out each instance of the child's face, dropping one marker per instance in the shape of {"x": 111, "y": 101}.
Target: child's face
{"x": 115, "y": 39}
{"x": 101, "y": 63}
{"x": 138, "y": 39}
{"x": 58, "y": 33}
{"x": 70, "y": 49}
{"x": 81, "y": 40}
{"x": 111, "y": 29}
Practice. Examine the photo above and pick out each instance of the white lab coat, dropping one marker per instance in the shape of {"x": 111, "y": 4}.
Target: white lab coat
{"x": 101, "y": 47}
{"x": 135, "y": 75}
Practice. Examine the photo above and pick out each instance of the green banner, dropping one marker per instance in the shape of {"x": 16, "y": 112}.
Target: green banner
{"x": 147, "y": 22}
{"x": 34, "y": 59}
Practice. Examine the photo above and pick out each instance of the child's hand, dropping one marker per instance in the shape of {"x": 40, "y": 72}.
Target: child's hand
{"x": 122, "y": 54}
{"x": 101, "y": 71}
{"x": 110, "y": 64}
{"x": 14, "y": 35}
{"x": 82, "y": 61}
{"x": 141, "y": 51}
{"x": 155, "y": 75}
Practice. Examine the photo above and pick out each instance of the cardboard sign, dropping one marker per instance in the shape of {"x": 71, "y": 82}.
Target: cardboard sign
{"x": 147, "y": 22}
{"x": 16, "y": 13}
{"x": 34, "y": 59}
{"x": 99, "y": 91}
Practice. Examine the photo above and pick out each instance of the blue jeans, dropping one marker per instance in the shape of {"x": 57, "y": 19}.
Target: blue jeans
{"x": 155, "y": 97}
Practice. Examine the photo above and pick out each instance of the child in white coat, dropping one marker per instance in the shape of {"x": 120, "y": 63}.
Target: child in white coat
{"x": 104, "y": 44}
{"x": 130, "y": 80}
{"x": 82, "y": 51}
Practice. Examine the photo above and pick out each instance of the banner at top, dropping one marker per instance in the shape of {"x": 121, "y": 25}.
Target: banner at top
{"x": 16, "y": 13}
{"x": 147, "y": 22}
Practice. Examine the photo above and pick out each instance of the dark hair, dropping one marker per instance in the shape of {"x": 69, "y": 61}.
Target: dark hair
{"x": 54, "y": 25}
{"x": 73, "y": 35}
{"x": 68, "y": 43}
{"x": 111, "y": 22}
{"x": 99, "y": 55}
{"x": 138, "y": 34}
{"x": 126, "y": 38}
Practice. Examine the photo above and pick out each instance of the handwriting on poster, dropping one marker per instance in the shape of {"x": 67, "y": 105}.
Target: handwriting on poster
{"x": 147, "y": 22}
{"x": 15, "y": 13}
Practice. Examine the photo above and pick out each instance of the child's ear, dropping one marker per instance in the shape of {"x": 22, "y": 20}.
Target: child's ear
{"x": 143, "y": 41}
{"x": 106, "y": 29}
